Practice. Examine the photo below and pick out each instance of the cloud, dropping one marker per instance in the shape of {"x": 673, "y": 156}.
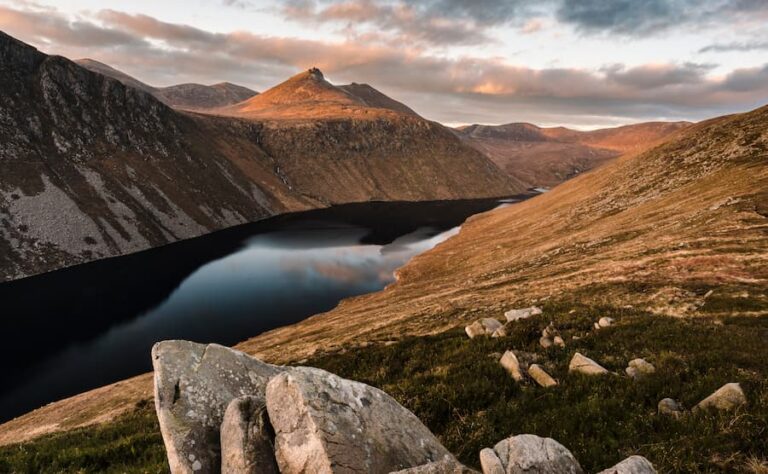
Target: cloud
{"x": 754, "y": 45}
{"x": 444, "y": 88}
{"x": 641, "y": 17}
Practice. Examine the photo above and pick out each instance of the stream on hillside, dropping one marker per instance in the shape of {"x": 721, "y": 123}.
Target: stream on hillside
{"x": 79, "y": 328}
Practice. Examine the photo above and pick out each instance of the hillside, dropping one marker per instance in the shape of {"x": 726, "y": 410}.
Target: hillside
{"x": 181, "y": 96}
{"x": 308, "y": 95}
{"x": 679, "y": 230}
{"x": 92, "y": 168}
{"x": 545, "y": 157}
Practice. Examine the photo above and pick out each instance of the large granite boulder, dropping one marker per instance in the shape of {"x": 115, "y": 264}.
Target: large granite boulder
{"x": 449, "y": 465}
{"x": 247, "y": 444}
{"x": 194, "y": 384}
{"x": 529, "y": 454}
{"x": 631, "y": 465}
{"x": 584, "y": 365}
{"x": 325, "y": 424}
{"x": 728, "y": 397}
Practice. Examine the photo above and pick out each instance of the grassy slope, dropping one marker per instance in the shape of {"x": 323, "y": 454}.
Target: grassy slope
{"x": 457, "y": 388}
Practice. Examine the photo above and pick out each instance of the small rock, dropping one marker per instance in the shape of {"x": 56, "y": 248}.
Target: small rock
{"x": 246, "y": 443}
{"x": 668, "y": 406}
{"x": 529, "y": 454}
{"x": 481, "y": 327}
{"x": 585, "y": 365}
{"x": 727, "y": 397}
{"x": 558, "y": 341}
{"x": 631, "y": 465}
{"x": 639, "y": 368}
{"x": 501, "y": 332}
{"x": 518, "y": 314}
{"x": 605, "y": 321}
{"x": 550, "y": 331}
{"x": 510, "y": 362}
{"x": 597, "y": 326}
{"x": 322, "y": 421}
{"x": 541, "y": 377}
{"x": 490, "y": 462}
{"x": 545, "y": 342}
{"x": 449, "y": 465}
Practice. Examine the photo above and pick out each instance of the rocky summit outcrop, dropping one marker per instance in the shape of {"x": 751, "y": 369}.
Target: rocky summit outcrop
{"x": 325, "y": 424}
{"x": 91, "y": 167}
{"x": 194, "y": 385}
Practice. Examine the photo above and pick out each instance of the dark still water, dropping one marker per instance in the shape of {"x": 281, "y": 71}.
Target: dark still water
{"x": 83, "y": 327}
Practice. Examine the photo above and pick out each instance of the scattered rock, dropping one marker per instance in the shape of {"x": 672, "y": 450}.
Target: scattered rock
{"x": 631, "y": 465}
{"x": 545, "y": 342}
{"x": 194, "y": 384}
{"x": 541, "y": 377}
{"x": 528, "y": 454}
{"x": 501, "y": 332}
{"x": 597, "y": 326}
{"x": 246, "y": 442}
{"x": 510, "y": 362}
{"x": 727, "y": 397}
{"x": 490, "y": 462}
{"x": 322, "y": 421}
{"x": 482, "y": 327}
{"x": 518, "y": 314}
{"x": 550, "y": 331}
{"x": 585, "y": 365}
{"x": 668, "y": 406}
{"x": 449, "y": 465}
{"x": 605, "y": 321}
{"x": 558, "y": 341}
{"x": 639, "y": 368}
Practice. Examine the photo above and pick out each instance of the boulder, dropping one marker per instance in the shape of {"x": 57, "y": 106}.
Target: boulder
{"x": 247, "y": 446}
{"x": 530, "y": 454}
{"x": 324, "y": 423}
{"x": 194, "y": 384}
{"x": 490, "y": 462}
{"x": 639, "y": 368}
{"x": 541, "y": 377}
{"x": 631, "y": 465}
{"x": 727, "y": 397}
{"x": 523, "y": 313}
{"x": 545, "y": 342}
{"x": 481, "y": 327}
{"x": 449, "y": 465}
{"x": 668, "y": 406}
{"x": 605, "y": 321}
{"x": 510, "y": 362}
{"x": 585, "y": 365}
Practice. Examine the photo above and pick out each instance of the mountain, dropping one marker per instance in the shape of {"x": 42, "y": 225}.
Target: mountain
{"x": 545, "y": 157}
{"x": 309, "y": 95}
{"x": 181, "y": 96}
{"x": 92, "y": 168}
{"x": 679, "y": 229}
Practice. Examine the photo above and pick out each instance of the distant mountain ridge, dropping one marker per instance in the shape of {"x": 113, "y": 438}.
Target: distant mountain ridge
{"x": 540, "y": 156}
{"x": 184, "y": 96}
{"x": 91, "y": 167}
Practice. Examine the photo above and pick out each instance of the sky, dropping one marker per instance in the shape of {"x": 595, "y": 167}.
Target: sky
{"x": 578, "y": 63}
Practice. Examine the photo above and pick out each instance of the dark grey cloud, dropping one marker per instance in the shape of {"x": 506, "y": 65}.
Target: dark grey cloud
{"x": 657, "y": 76}
{"x": 743, "y": 46}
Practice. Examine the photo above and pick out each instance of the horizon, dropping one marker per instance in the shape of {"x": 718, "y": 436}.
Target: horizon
{"x": 583, "y": 65}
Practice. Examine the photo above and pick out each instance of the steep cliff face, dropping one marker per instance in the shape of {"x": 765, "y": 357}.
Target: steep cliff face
{"x": 182, "y": 96}
{"x": 92, "y": 168}
{"x": 548, "y": 156}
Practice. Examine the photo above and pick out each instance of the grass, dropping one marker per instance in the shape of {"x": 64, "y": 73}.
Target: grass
{"x": 457, "y": 388}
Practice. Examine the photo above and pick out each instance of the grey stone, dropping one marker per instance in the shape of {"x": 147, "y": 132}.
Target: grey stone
{"x": 449, "y": 465}
{"x": 510, "y": 362}
{"x": 194, "y": 384}
{"x": 482, "y": 327}
{"x": 631, "y": 465}
{"x": 523, "y": 313}
{"x": 668, "y": 406}
{"x": 475, "y": 329}
{"x": 325, "y": 424}
{"x": 605, "y": 321}
{"x": 490, "y": 462}
{"x": 728, "y": 397}
{"x": 639, "y": 368}
{"x": 541, "y": 377}
{"x": 585, "y": 365}
{"x": 530, "y": 454}
{"x": 247, "y": 445}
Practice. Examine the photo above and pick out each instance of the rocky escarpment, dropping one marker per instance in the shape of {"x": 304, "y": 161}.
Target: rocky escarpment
{"x": 183, "y": 96}
{"x": 92, "y": 168}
